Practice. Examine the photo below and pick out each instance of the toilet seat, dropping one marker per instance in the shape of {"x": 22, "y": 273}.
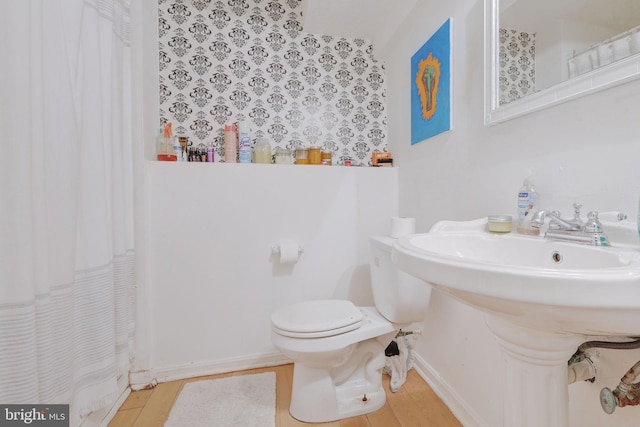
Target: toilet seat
{"x": 317, "y": 319}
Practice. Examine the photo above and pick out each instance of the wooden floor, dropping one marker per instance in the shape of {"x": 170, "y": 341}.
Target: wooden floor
{"x": 414, "y": 405}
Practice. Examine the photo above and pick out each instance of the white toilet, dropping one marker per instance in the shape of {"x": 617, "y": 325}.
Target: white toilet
{"x": 338, "y": 348}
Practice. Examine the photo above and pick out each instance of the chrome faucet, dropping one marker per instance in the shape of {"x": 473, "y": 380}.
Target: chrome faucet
{"x": 573, "y": 230}
{"x": 555, "y": 221}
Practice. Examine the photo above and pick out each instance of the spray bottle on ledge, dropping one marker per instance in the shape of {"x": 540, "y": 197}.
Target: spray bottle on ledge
{"x": 164, "y": 145}
{"x": 244, "y": 142}
{"x": 528, "y": 204}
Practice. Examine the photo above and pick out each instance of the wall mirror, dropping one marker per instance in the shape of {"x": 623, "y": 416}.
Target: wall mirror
{"x": 539, "y": 53}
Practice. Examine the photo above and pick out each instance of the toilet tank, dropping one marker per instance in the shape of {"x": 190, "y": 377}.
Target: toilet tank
{"x": 399, "y": 297}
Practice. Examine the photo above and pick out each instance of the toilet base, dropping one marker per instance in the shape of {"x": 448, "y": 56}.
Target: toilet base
{"x": 323, "y": 395}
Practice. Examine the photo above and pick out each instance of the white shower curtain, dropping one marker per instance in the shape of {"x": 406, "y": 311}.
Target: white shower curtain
{"x": 66, "y": 202}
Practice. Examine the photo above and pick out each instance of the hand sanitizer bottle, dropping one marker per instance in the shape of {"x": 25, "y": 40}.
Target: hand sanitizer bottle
{"x": 528, "y": 204}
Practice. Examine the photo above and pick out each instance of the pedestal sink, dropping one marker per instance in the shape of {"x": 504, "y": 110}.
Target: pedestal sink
{"x": 542, "y": 299}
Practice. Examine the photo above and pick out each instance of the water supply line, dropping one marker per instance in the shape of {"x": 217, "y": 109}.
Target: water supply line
{"x": 623, "y": 345}
{"x": 627, "y": 393}
{"x": 402, "y": 333}
{"x": 581, "y": 368}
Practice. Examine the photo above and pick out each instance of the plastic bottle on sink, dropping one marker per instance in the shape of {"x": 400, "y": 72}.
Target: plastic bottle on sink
{"x": 528, "y": 204}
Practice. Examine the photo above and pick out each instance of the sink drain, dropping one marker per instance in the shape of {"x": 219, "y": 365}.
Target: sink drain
{"x": 556, "y": 257}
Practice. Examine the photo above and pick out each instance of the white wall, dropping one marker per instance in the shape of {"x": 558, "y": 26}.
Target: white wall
{"x": 211, "y": 277}
{"x": 584, "y": 151}
{"x": 206, "y": 281}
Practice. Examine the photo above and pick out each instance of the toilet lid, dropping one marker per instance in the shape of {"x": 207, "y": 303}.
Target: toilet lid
{"x": 313, "y": 319}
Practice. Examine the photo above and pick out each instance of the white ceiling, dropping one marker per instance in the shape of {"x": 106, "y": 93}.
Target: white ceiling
{"x": 374, "y": 20}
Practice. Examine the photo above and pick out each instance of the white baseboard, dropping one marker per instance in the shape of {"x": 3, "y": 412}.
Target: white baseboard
{"x": 114, "y": 409}
{"x": 141, "y": 380}
{"x": 103, "y": 417}
{"x": 462, "y": 411}
{"x": 145, "y": 379}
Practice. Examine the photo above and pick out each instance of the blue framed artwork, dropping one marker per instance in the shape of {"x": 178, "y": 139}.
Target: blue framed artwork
{"x": 431, "y": 86}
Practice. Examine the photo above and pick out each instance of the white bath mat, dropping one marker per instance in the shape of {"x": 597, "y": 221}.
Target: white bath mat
{"x": 238, "y": 401}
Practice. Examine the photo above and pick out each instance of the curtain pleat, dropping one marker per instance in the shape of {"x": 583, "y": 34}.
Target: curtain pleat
{"x": 66, "y": 192}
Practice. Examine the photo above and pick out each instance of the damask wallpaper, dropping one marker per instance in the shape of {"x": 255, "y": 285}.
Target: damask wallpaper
{"x": 517, "y": 65}
{"x": 251, "y": 59}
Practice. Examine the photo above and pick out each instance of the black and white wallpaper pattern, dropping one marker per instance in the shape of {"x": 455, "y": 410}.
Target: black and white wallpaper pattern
{"x": 251, "y": 60}
{"x": 517, "y": 64}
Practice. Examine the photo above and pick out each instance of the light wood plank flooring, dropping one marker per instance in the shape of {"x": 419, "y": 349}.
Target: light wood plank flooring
{"x": 414, "y": 405}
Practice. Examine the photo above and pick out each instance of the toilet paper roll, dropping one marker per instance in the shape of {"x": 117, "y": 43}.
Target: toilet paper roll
{"x": 402, "y": 226}
{"x": 289, "y": 252}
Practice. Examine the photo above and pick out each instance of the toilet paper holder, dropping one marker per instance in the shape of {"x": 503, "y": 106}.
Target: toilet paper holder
{"x": 276, "y": 249}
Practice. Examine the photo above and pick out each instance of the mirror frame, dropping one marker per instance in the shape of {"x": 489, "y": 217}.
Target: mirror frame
{"x": 611, "y": 75}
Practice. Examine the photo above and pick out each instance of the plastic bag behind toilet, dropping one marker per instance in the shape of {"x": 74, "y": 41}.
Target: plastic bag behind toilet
{"x": 398, "y": 360}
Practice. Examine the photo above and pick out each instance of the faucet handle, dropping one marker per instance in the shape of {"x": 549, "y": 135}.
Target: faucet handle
{"x": 576, "y": 214}
{"x": 594, "y": 227}
{"x": 576, "y": 210}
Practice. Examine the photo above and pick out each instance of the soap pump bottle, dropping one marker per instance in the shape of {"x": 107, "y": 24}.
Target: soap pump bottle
{"x": 528, "y": 204}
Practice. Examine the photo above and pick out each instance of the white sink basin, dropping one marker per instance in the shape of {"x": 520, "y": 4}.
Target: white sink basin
{"x": 531, "y": 281}
{"x": 541, "y": 298}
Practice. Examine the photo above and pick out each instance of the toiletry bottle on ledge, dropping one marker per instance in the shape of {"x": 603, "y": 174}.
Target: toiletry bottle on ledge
{"x": 244, "y": 142}
{"x": 164, "y": 145}
{"x": 262, "y": 151}
{"x": 528, "y": 204}
{"x": 230, "y": 142}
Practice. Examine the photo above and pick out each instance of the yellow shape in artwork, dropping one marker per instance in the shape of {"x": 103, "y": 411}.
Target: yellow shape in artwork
{"x": 427, "y": 80}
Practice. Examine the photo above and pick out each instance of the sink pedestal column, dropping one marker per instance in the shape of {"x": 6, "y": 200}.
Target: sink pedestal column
{"x": 536, "y": 391}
